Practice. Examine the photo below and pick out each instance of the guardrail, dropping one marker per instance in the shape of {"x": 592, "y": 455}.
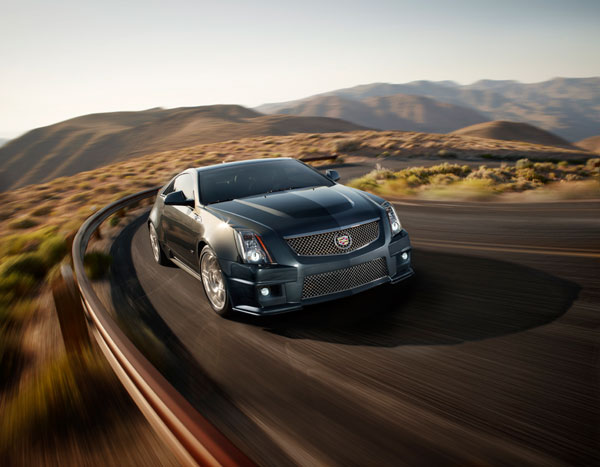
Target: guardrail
{"x": 192, "y": 438}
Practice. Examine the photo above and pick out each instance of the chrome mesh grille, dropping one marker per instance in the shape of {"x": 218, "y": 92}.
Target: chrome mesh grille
{"x": 322, "y": 244}
{"x": 339, "y": 280}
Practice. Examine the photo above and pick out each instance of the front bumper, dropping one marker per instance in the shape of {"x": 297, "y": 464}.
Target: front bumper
{"x": 285, "y": 282}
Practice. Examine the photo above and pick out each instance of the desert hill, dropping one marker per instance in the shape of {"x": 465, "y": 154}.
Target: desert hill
{"x": 514, "y": 131}
{"x": 91, "y": 141}
{"x": 568, "y": 107}
{"x": 396, "y": 112}
{"x": 591, "y": 144}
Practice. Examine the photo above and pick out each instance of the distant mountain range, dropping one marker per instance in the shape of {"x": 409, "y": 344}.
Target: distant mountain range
{"x": 3, "y": 141}
{"x": 568, "y": 107}
{"x": 398, "y": 111}
{"x": 90, "y": 141}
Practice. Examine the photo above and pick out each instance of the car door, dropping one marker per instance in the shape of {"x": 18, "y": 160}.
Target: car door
{"x": 181, "y": 232}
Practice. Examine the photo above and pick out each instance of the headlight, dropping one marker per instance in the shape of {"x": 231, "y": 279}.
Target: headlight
{"x": 395, "y": 224}
{"x": 251, "y": 248}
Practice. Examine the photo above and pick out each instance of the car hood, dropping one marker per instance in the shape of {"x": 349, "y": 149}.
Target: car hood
{"x": 299, "y": 211}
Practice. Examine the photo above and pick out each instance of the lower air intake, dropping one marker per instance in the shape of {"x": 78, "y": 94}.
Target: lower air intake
{"x": 340, "y": 280}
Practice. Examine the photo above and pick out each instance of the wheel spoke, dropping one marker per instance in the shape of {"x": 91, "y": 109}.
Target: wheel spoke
{"x": 212, "y": 280}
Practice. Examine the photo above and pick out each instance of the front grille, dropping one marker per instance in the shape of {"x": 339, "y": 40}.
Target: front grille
{"x": 339, "y": 280}
{"x": 322, "y": 244}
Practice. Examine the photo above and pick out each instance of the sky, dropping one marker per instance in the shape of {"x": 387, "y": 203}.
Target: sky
{"x": 65, "y": 58}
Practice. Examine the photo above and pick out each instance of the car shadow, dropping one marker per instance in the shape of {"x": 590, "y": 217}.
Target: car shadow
{"x": 451, "y": 299}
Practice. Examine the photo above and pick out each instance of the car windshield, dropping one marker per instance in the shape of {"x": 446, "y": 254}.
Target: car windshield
{"x": 244, "y": 180}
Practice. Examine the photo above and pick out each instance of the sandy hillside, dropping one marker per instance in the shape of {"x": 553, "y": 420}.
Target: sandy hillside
{"x": 91, "y": 141}
{"x": 591, "y": 144}
{"x": 514, "y": 131}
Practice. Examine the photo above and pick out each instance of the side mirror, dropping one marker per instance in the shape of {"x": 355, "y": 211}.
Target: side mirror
{"x": 177, "y": 198}
{"x": 332, "y": 174}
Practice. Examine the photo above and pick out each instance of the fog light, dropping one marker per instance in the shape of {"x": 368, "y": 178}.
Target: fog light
{"x": 404, "y": 256}
{"x": 264, "y": 291}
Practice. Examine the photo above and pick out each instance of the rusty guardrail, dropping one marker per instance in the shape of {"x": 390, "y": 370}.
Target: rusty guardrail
{"x": 192, "y": 438}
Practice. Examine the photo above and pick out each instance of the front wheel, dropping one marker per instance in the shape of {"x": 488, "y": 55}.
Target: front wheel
{"x": 157, "y": 251}
{"x": 214, "y": 282}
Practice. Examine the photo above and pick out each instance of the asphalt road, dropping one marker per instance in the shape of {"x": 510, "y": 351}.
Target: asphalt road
{"x": 489, "y": 356}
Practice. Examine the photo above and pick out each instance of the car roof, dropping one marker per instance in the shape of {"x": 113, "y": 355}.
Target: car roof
{"x": 245, "y": 162}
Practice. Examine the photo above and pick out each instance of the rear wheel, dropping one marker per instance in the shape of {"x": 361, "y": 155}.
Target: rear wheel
{"x": 214, "y": 283}
{"x": 157, "y": 251}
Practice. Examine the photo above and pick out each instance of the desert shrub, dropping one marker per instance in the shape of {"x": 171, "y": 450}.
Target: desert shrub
{"x": 97, "y": 264}
{"x": 381, "y": 173}
{"x": 364, "y": 183}
{"x": 79, "y": 198}
{"x": 53, "y": 250}
{"x": 443, "y": 179}
{"x": 70, "y": 393}
{"x": 43, "y": 210}
{"x": 523, "y": 164}
{"x": 544, "y": 166}
{"x": 593, "y": 163}
{"x": 23, "y": 223}
{"x": 413, "y": 180}
{"x": 531, "y": 175}
{"x": 24, "y": 242}
{"x": 445, "y": 154}
{"x": 347, "y": 145}
{"x": 29, "y": 264}
{"x": 112, "y": 188}
{"x": 495, "y": 175}
{"x": 14, "y": 286}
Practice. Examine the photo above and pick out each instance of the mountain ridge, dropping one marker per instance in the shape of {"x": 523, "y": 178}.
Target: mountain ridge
{"x": 568, "y": 107}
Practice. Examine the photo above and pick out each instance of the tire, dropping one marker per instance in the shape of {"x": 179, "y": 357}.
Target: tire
{"x": 157, "y": 251}
{"x": 214, "y": 283}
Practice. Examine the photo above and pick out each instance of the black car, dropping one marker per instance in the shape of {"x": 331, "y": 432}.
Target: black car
{"x": 272, "y": 235}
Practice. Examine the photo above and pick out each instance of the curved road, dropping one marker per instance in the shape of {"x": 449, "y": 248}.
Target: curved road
{"x": 490, "y": 355}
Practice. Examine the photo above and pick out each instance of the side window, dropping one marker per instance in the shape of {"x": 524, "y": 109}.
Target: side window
{"x": 185, "y": 183}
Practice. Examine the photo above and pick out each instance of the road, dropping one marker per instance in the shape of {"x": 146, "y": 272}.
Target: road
{"x": 489, "y": 356}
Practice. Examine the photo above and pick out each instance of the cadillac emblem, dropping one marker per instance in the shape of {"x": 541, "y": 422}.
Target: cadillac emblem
{"x": 343, "y": 241}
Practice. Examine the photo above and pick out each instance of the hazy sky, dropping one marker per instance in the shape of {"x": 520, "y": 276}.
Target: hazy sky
{"x": 64, "y": 58}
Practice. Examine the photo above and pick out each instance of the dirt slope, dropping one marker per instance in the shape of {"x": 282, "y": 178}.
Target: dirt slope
{"x": 591, "y": 144}
{"x": 513, "y": 131}
{"x": 91, "y": 141}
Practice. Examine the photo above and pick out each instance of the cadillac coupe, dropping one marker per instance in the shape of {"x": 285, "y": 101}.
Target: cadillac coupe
{"x": 268, "y": 236}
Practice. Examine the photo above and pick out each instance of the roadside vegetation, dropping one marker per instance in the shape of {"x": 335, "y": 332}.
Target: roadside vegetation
{"x": 538, "y": 180}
